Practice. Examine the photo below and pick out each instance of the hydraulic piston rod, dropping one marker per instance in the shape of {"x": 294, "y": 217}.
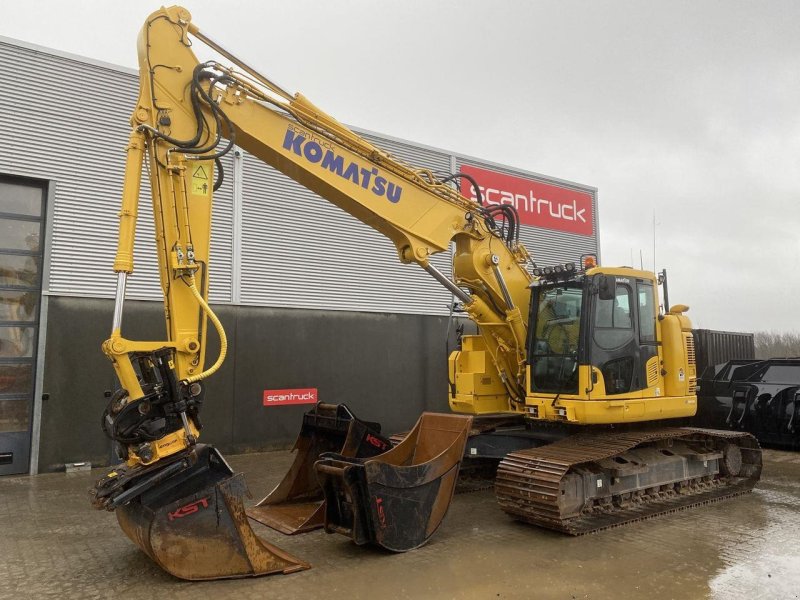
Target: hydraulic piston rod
{"x": 452, "y": 287}
{"x": 119, "y": 301}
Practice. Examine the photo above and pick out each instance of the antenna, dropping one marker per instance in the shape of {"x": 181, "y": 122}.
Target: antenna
{"x": 641, "y": 262}
{"x": 654, "y": 240}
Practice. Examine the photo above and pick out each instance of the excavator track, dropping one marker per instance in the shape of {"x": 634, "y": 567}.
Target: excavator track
{"x": 594, "y": 481}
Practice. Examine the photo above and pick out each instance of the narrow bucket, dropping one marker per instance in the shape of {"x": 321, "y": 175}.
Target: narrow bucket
{"x": 399, "y": 499}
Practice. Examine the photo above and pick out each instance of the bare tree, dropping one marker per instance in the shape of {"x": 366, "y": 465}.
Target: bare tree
{"x": 772, "y": 344}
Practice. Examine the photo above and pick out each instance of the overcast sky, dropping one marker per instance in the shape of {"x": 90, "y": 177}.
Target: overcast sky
{"x": 688, "y": 109}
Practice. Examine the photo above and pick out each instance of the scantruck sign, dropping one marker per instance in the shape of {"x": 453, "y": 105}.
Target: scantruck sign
{"x": 294, "y": 396}
{"x": 538, "y": 204}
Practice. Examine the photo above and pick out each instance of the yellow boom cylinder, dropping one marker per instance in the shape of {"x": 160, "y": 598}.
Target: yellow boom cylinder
{"x": 123, "y": 263}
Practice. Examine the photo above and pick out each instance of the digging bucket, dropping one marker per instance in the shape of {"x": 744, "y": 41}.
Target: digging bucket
{"x": 190, "y": 519}
{"x": 398, "y": 499}
{"x": 296, "y": 505}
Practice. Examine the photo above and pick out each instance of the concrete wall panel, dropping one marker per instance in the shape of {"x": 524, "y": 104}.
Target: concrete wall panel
{"x": 386, "y": 367}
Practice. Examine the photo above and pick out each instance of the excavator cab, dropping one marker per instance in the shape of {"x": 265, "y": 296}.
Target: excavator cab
{"x": 599, "y": 350}
{"x": 603, "y": 320}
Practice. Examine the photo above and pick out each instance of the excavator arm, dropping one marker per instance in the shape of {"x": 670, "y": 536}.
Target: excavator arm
{"x": 189, "y": 114}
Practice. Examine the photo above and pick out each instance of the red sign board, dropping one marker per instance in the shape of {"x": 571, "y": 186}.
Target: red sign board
{"x": 538, "y": 204}
{"x": 286, "y": 397}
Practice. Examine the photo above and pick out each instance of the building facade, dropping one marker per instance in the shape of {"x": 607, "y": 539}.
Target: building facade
{"x": 311, "y": 298}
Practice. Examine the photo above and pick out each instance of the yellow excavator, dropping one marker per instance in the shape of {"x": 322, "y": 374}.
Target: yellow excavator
{"x": 572, "y": 384}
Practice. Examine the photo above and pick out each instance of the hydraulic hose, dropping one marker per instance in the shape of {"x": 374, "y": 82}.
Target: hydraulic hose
{"x": 223, "y": 339}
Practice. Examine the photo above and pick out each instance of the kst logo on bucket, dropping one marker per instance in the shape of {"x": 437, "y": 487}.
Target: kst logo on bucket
{"x": 538, "y": 204}
{"x": 285, "y": 397}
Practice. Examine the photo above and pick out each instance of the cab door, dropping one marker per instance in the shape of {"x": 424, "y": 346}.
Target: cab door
{"x": 614, "y": 339}
{"x": 646, "y": 308}
{"x": 623, "y": 335}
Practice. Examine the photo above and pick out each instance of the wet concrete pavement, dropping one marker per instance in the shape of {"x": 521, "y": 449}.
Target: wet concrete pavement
{"x": 53, "y": 545}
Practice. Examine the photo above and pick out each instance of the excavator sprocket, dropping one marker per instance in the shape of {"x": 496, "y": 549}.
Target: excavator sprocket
{"x": 594, "y": 481}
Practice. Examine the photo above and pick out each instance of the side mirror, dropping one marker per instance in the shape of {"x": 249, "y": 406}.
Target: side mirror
{"x": 606, "y": 287}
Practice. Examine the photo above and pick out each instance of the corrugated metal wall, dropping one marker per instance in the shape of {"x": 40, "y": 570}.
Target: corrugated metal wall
{"x": 294, "y": 249}
{"x": 717, "y": 347}
{"x": 300, "y": 251}
{"x": 69, "y": 124}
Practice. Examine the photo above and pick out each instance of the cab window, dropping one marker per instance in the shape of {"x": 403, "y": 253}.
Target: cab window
{"x": 553, "y": 354}
{"x": 612, "y": 319}
{"x": 557, "y": 321}
{"x": 647, "y": 312}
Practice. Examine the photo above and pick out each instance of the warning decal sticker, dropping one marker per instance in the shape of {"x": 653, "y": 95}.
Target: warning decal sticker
{"x": 201, "y": 186}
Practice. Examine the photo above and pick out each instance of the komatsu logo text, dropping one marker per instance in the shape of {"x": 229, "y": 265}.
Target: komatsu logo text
{"x": 322, "y": 152}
